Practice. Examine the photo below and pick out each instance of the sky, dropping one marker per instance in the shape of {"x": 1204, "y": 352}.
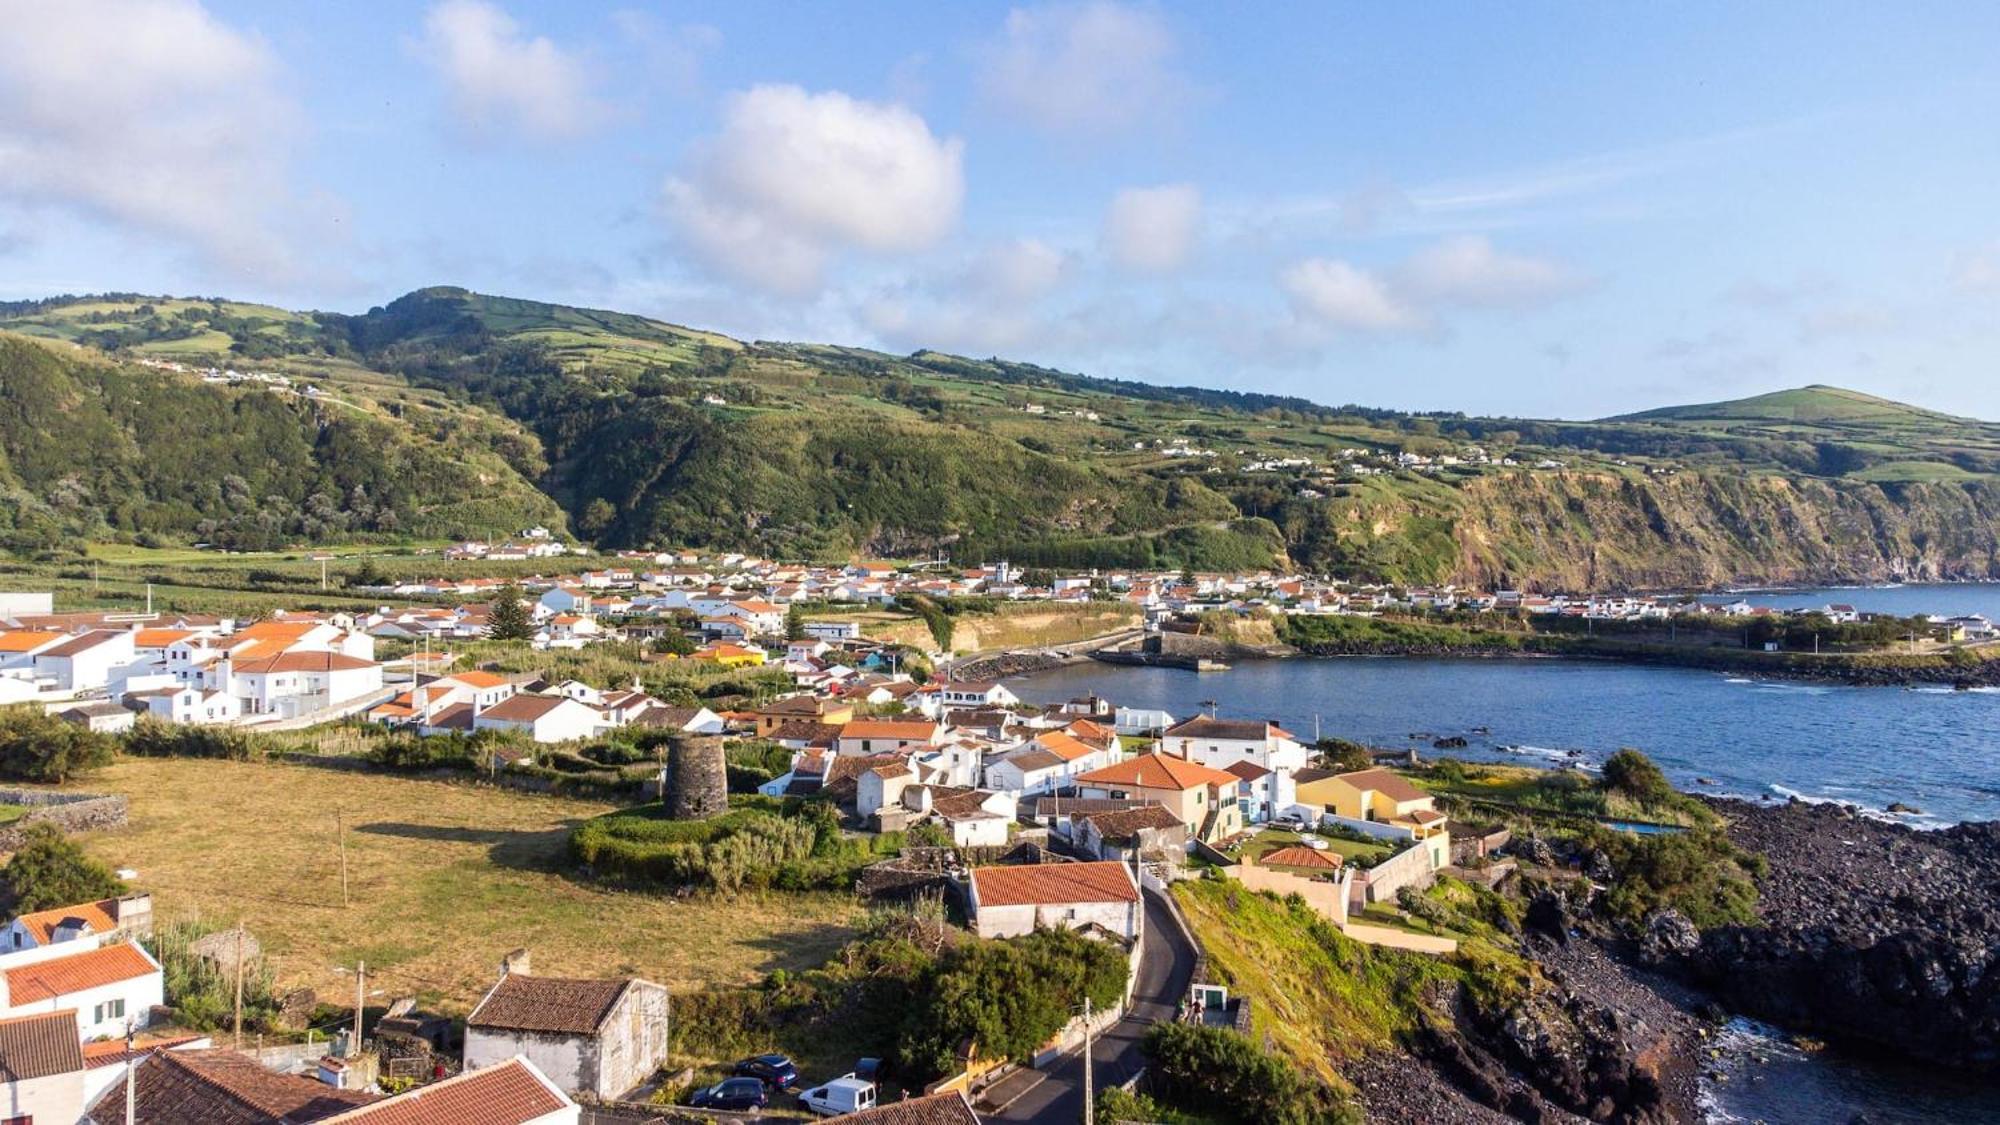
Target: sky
{"x": 1532, "y": 209}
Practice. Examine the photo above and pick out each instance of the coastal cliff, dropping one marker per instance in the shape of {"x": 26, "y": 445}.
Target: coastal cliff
{"x": 1691, "y": 530}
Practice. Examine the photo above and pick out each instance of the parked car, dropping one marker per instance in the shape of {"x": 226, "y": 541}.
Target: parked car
{"x": 846, "y": 1094}
{"x": 775, "y": 1071}
{"x": 732, "y": 1093}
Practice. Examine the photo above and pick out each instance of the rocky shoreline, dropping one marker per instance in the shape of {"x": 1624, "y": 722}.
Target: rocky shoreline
{"x": 1797, "y": 667}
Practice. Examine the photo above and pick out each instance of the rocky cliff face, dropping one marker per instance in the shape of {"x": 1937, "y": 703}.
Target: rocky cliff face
{"x": 1583, "y": 531}
{"x": 1873, "y": 933}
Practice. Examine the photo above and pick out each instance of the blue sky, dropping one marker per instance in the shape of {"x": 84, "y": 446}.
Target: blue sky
{"x": 1537, "y": 209}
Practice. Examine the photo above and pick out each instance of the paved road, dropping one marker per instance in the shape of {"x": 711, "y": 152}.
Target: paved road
{"x": 1165, "y": 968}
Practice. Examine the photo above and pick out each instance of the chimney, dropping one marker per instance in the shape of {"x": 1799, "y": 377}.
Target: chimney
{"x": 515, "y": 962}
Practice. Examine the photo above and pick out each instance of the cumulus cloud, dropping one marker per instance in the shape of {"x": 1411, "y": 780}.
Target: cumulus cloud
{"x": 502, "y": 80}
{"x": 1459, "y": 272}
{"x": 1153, "y": 229}
{"x": 795, "y": 177}
{"x": 1091, "y": 67}
{"x": 1468, "y": 270}
{"x": 1345, "y": 296}
{"x": 156, "y": 117}
{"x": 994, "y": 302}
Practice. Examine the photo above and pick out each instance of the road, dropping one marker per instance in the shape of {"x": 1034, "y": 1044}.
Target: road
{"x": 1165, "y": 968}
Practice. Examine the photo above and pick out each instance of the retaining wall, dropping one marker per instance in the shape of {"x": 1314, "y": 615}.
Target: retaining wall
{"x": 71, "y": 812}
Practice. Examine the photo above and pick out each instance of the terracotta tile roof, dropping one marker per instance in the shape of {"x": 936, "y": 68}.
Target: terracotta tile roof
{"x": 554, "y": 1004}
{"x": 1246, "y": 769}
{"x": 27, "y": 640}
{"x": 1066, "y": 747}
{"x": 1298, "y": 855}
{"x": 1244, "y": 730}
{"x": 1388, "y": 784}
{"x": 1049, "y": 884}
{"x": 60, "y": 976}
{"x": 39, "y": 1045}
{"x": 523, "y": 708}
{"x": 1158, "y": 771}
{"x": 303, "y": 662}
{"x": 110, "y": 1052}
{"x": 888, "y": 728}
{"x": 1033, "y": 758}
{"x": 474, "y": 679}
{"x": 1079, "y": 806}
{"x": 83, "y": 642}
{"x": 43, "y": 923}
{"x": 1122, "y": 824}
{"x": 508, "y": 1094}
{"x": 159, "y": 638}
{"x": 217, "y": 1087}
{"x": 937, "y": 1109}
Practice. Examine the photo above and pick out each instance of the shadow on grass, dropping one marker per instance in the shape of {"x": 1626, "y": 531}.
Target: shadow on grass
{"x": 545, "y": 850}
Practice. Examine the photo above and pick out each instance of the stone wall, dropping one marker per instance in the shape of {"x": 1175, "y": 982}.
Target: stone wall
{"x": 1411, "y": 867}
{"x": 71, "y": 812}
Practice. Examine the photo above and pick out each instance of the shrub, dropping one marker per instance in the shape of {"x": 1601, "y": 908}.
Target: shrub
{"x": 201, "y": 992}
{"x": 1633, "y": 774}
{"x": 1222, "y": 1072}
{"x": 51, "y": 870}
{"x": 150, "y": 738}
{"x": 38, "y": 746}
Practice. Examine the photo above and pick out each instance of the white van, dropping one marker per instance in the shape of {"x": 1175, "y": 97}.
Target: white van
{"x": 846, "y": 1094}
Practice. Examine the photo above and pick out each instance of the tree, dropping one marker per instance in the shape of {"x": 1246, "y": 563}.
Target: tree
{"x": 1633, "y": 774}
{"x": 795, "y": 623}
{"x": 509, "y": 619}
{"x": 51, "y": 870}
{"x": 1342, "y": 755}
{"x": 38, "y": 746}
{"x": 674, "y": 641}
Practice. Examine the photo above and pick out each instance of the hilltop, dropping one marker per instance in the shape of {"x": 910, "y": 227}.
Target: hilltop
{"x": 630, "y": 431}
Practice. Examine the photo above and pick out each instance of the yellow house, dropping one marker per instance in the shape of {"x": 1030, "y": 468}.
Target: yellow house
{"x": 808, "y": 708}
{"x": 729, "y": 655}
{"x": 1376, "y": 794}
{"x": 1204, "y": 799}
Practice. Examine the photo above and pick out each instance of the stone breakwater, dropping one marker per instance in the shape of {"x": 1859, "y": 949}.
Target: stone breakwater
{"x": 71, "y": 812}
{"x": 1873, "y": 934}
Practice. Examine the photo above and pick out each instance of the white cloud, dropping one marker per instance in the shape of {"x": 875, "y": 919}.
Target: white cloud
{"x": 1468, "y": 270}
{"x": 1019, "y": 271}
{"x": 1091, "y": 67}
{"x": 1344, "y": 296}
{"x": 501, "y": 80}
{"x": 992, "y": 303}
{"x": 795, "y": 177}
{"x": 156, "y": 117}
{"x": 669, "y": 57}
{"x": 1153, "y": 229}
{"x": 1978, "y": 270}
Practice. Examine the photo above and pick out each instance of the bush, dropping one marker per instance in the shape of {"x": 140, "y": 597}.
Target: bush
{"x": 151, "y": 738}
{"x": 1220, "y": 1071}
{"x": 201, "y": 992}
{"x": 409, "y": 753}
{"x": 791, "y": 845}
{"x": 1700, "y": 873}
{"x": 38, "y": 746}
{"x": 1009, "y": 997}
{"x": 51, "y": 870}
{"x": 1633, "y": 774}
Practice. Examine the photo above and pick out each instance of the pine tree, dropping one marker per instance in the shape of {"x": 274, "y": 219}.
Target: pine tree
{"x": 795, "y": 624}
{"x": 509, "y": 619}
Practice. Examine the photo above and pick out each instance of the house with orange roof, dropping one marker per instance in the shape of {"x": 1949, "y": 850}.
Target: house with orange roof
{"x": 730, "y": 655}
{"x": 1205, "y": 799}
{"x": 111, "y": 988}
{"x": 130, "y": 916}
{"x": 863, "y": 737}
{"x": 1010, "y": 901}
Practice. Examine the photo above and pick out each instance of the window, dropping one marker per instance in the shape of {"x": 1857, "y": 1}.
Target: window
{"x": 109, "y": 1010}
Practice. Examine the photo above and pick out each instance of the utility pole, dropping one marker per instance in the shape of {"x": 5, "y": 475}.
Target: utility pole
{"x": 322, "y": 575}
{"x": 340, "y": 828}
{"x": 360, "y": 998}
{"x": 238, "y": 1021}
{"x": 1089, "y": 1095}
{"x": 131, "y": 1069}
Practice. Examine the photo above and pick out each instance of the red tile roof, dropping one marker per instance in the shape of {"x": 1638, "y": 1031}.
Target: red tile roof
{"x": 937, "y": 1109}
{"x": 1048, "y": 884}
{"x": 554, "y": 1004}
{"x": 60, "y": 976}
{"x": 38, "y": 1046}
{"x": 217, "y": 1087}
{"x": 1298, "y": 855}
{"x": 508, "y": 1094}
{"x": 1158, "y": 771}
{"x": 42, "y": 923}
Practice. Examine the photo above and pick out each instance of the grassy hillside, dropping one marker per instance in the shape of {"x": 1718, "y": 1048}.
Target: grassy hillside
{"x": 645, "y": 432}
{"x": 93, "y": 450}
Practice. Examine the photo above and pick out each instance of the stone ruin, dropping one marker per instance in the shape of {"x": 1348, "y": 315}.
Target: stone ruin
{"x": 697, "y": 781}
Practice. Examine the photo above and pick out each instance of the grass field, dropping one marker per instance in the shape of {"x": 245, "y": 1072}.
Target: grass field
{"x": 444, "y": 879}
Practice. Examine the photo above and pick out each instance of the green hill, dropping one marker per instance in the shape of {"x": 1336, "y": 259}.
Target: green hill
{"x": 644, "y": 432}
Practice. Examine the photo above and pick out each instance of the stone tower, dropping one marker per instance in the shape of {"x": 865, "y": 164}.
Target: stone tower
{"x": 697, "y": 779}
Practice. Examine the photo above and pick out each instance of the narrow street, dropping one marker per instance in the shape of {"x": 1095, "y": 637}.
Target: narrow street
{"x": 1165, "y": 968}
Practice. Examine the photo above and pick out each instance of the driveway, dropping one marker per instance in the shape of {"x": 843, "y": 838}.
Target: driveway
{"x": 1166, "y": 966}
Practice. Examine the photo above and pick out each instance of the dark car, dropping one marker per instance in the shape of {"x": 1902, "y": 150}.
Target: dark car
{"x": 732, "y": 1093}
{"x": 775, "y": 1071}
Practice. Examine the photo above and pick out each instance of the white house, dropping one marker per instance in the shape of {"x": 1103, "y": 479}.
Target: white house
{"x": 1016, "y": 900}
{"x": 1216, "y": 743}
{"x": 1141, "y": 721}
{"x": 298, "y": 683}
{"x": 131, "y": 916}
{"x": 886, "y": 736}
{"x": 42, "y": 1072}
{"x": 976, "y": 694}
{"x": 188, "y": 705}
{"x": 595, "y": 1037}
{"x": 834, "y": 630}
{"x": 544, "y": 718}
{"x": 85, "y": 661}
{"x": 108, "y": 987}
